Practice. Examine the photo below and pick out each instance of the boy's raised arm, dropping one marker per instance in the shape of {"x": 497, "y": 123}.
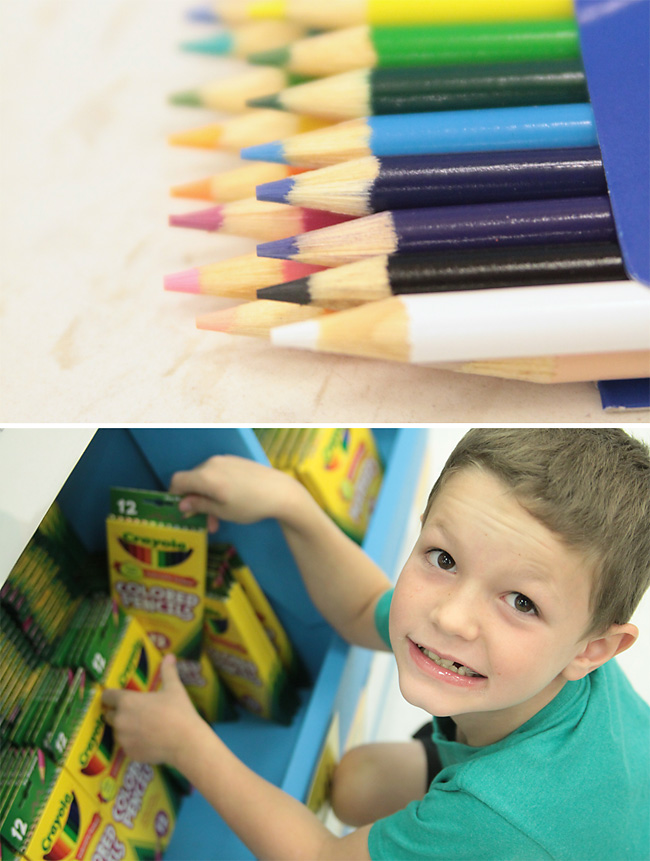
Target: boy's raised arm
{"x": 342, "y": 581}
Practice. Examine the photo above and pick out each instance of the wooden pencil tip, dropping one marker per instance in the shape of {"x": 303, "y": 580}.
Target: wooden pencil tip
{"x": 199, "y": 190}
{"x": 206, "y": 137}
{"x": 218, "y": 321}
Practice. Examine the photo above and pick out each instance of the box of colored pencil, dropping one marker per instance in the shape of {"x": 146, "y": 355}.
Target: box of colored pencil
{"x": 157, "y": 566}
{"x": 340, "y": 467}
{"x": 240, "y": 649}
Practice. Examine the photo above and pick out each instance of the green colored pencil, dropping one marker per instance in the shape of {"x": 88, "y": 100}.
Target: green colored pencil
{"x": 392, "y": 47}
{"x": 362, "y": 92}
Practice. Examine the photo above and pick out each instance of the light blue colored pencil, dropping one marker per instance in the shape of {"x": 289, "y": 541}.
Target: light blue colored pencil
{"x": 436, "y": 132}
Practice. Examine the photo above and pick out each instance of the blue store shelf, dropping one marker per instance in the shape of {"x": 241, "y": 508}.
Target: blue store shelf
{"x": 285, "y": 755}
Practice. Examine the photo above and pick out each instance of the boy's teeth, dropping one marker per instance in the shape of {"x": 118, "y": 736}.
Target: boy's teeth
{"x": 448, "y": 665}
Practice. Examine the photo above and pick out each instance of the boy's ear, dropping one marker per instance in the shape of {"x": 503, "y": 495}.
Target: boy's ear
{"x": 601, "y": 649}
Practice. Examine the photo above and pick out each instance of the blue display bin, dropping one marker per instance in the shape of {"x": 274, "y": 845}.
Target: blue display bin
{"x": 285, "y": 755}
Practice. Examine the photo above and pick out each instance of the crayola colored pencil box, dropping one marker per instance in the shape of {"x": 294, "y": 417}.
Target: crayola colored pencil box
{"x": 157, "y": 565}
{"x": 342, "y": 470}
{"x": 242, "y": 653}
{"x": 226, "y": 555}
{"x": 209, "y": 695}
{"x": 50, "y": 817}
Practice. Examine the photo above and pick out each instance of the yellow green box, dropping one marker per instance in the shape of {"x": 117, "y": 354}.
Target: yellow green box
{"x": 157, "y": 567}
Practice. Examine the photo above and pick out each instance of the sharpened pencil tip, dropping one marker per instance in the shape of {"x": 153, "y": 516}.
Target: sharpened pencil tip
{"x": 272, "y": 151}
{"x": 191, "y": 98}
{"x": 270, "y": 101}
{"x": 275, "y": 57}
{"x": 217, "y": 321}
{"x": 204, "y": 219}
{"x": 202, "y": 15}
{"x": 291, "y": 291}
{"x": 221, "y": 43}
{"x": 276, "y": 192}
{"x": 199, "y": 190}
{"x": 303, "y": 334}
{"x": 281, "y": 249}
{"x": 206, "y": 137}
{"x": 183, "y": 282}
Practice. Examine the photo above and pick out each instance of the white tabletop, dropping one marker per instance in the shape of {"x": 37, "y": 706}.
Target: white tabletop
{"x": 88, "y": 334}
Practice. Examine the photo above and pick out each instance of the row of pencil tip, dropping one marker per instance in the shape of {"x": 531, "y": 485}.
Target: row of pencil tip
{"x": 392, "y": 169}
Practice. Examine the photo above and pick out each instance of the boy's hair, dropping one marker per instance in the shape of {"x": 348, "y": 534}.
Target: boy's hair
{"x": 590, "y": 486}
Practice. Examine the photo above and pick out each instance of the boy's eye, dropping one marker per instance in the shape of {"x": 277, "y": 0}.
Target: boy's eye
{"x": 521, "y": 603}
{"x": 441, "y": 559}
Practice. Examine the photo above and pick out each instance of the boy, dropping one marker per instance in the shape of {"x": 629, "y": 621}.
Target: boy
{"x": 534, "y": 552}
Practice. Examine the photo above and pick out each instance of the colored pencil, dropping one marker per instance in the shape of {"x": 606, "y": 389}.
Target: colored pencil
{"x": 254, "y": 127}
{"x": 247, "y": 39}
{"x": 233, "y": 93}
{"x": 234, "y": 184}
{"x": 347, "y": 13}
{"x": 562, "y": 319}
{"x": 470, "y": 269}
{"x": 536, "y": 222}
{"x": 398, "y": 47}
{"x": 372, "y": 184}
{"x": 237, "y": 277}
{"x": 588, "y": 367}
{"x": 431, "y": 132}
{"x": 367, "y": 92}
{"x": 256, "y": 319}
{"x": 257, "y": 219}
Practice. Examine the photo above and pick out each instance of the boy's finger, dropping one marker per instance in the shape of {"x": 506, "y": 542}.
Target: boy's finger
{"x": 110, "y": 698}
{"x": 109, "y": 716}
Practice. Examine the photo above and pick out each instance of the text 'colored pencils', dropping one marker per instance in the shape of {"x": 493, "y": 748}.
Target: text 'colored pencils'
{"x": 346, "y": 13}
{"x": 363, "y": 93}
{"x": 372, "y": 184}
{"x": 432, "y": 132}
{"x": 578, "y": 219}
{"x": 399, "y": 47}
{"x": 484, "y": 324}
{"x": 237, "y": 277}
{"x": 257, "y": 219}
{"x": 469, "y": 269}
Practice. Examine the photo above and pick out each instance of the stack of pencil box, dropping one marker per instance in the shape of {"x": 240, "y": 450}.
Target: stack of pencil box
{"x": 202, "y": 604}
{"x": 340, "y": 467}
{"x": 427, "y": 186}
{"x": 66, "y": 785}
{"x": 245, "y": 641}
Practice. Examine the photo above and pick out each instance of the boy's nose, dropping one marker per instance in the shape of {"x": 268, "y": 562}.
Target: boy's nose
{"x": 457, "y": 614}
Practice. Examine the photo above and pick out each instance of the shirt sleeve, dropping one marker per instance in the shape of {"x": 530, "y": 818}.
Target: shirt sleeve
{"x": 382, "y": 611}
{"x": 450, "y": 825}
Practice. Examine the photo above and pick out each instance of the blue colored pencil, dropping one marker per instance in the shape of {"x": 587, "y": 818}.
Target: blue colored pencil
{"x": 372, "y": 184}
{"x": 535, "y": 127}
{"x": 482, "y": 225}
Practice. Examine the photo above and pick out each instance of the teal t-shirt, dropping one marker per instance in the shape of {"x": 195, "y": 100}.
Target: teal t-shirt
{"x": 571, "y": 783}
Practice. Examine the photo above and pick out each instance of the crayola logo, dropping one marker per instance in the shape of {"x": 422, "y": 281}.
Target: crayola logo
{"x": 136, "y": 673}
{"x": 62, "y": 837}
{"x": 99, "y": 749}
{"x": 340, "y": 438}
{"x": 163, "y": 553}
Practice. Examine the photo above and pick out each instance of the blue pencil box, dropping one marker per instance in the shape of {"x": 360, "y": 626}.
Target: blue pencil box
{"x": 615, "y": 45}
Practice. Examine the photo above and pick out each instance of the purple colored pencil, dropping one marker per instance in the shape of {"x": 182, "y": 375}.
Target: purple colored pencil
{"x": 485, "y": 225}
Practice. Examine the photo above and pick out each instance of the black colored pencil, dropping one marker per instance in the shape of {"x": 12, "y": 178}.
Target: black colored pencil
{"x": 470, "y": 269}
{"x": 373, "y": 183}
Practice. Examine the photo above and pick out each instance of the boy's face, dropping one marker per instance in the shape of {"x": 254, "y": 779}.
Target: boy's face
{"x": 487, "y": 586}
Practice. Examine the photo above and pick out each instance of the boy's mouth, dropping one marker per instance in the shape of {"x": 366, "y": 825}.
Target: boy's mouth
{"x": 452, "y": 666}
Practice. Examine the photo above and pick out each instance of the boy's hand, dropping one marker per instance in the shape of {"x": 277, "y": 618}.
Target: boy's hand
{"x": 233, "y": 488}
{"x": 151, "y": 727}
